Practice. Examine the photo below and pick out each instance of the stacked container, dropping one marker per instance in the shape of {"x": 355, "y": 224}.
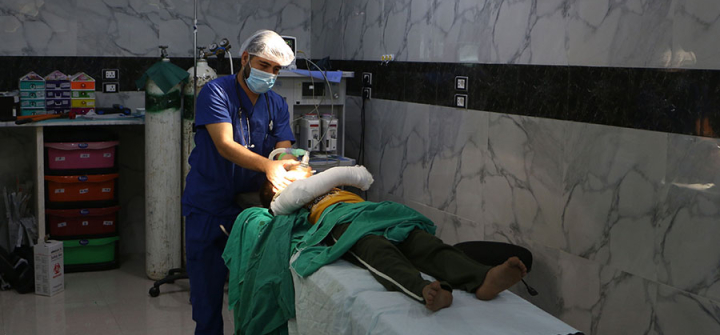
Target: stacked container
{"x": 32, "y": 94}
{"x": 82, "y": 211}
{"x": 57, "y": 93}
{"x": 83, "y": 93}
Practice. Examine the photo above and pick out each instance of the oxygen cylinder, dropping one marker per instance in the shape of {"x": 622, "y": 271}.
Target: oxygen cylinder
{"x": 163, "y": 235}
{"x": 205, "y": 74}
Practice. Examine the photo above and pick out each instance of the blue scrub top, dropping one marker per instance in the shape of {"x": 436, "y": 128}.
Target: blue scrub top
{"x": 213, "y": 181}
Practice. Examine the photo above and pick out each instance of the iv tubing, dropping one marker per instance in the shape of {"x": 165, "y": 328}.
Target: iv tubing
{"x": 230, "y": 59}
{"x": 295, "y": 152}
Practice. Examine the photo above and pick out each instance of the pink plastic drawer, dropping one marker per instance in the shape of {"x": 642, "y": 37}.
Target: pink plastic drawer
{"x": 90, "y": 155}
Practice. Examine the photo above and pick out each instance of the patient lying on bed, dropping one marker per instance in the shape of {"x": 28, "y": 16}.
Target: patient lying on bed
{"x": 397, "y": 265}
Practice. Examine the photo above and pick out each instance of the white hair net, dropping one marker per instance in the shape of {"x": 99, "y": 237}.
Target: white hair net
{"x": 269, "y": 45}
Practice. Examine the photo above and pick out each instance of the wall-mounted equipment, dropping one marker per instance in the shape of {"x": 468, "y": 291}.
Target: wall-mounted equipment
{"x": 308, "y": 132}
{"x": 316, "y": 89}
{"x": 329, "y": 129}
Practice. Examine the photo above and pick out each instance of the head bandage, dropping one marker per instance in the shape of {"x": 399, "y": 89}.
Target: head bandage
{"x": 303, "y": 191}
{"x": 269, "y": 45}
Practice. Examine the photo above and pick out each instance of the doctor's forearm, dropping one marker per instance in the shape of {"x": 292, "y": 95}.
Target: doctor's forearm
{"x": 243, "y": 157}
{"x": 222, "y": 136}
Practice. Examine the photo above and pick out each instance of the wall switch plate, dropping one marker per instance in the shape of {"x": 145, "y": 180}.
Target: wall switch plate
{"x": 111, "y": 87}
{"x": 461, "y": 100}
{"x": 367, "y": 79}
{"x": 461, "y": 83}
{"x": 367, "y": 93}
{"x": 111, "y": 74}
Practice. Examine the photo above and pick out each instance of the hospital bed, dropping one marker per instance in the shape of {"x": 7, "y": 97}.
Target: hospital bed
{"x": 342, "y": 298}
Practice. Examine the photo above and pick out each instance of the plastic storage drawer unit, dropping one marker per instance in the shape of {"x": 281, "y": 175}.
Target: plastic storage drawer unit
{"x": 81, "y": 188}
{"x": 74, "y": 222}
{"x": 89, "y": 251}
{"x": 90, "y": 155}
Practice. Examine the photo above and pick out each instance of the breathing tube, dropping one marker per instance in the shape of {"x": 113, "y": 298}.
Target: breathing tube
{"x": 295, "y": 152}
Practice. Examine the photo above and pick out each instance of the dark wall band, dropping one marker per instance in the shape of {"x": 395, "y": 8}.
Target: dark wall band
{"x": 666, "y": 100}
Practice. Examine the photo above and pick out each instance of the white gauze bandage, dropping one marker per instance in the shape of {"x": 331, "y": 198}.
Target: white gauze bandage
{"x": 303, "y": 191}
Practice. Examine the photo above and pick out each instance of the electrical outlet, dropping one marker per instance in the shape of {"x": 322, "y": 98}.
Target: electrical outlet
{"x": 111, "y": 87}
{"x": 367, "y": 79}
{"x": 110, "y": 74}
{"x": 461, "y": 100}
{"x": 461, "y": 83}
{"x": 367, "y": 93}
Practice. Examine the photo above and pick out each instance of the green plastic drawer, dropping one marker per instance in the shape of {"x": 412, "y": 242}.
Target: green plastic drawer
{"x": 32, "y": 111}
{"x": 32, "y": 85}
{"x": 32, "y": 103}
{"x": 90, "y": 251}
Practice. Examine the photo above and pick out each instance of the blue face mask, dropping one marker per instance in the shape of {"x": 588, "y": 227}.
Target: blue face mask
{"x": 260, "y": 82}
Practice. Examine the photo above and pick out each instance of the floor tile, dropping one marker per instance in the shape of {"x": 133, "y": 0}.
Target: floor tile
{"x": 104, "y": 302}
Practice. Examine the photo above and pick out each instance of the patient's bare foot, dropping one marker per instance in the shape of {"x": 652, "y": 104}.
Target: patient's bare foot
{"x": 436, "y": 297}
{"x": 500, "y": 278}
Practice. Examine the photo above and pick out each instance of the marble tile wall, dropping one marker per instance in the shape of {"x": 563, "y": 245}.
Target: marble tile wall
{"x": 634, "y": 33}
{"x": 89, "y": 35}
{"x": 135, "y": 28}
{"x": 622, "y": 222}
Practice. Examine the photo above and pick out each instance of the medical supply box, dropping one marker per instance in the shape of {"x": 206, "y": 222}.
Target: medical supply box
{"x": 57, "y": 93}
{"x": 49, "y": 268}
{"x": 32, "y": 94}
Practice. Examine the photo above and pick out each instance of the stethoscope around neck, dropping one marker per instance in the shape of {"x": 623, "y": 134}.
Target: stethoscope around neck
{"x": 248, "y": 143}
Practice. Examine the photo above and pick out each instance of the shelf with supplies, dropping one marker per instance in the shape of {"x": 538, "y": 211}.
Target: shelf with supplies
{"x": 117, "y": 121}
{"x": 81, "y": 195}
{"x": 25, "y": 155}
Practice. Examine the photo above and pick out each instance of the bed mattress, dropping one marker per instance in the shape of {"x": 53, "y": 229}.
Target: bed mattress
{"x": 341, "y": 298}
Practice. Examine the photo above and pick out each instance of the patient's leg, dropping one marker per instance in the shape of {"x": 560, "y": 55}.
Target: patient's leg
{"x": 500, "y": 278}
{"x": 391, "y": 269}
{"x": 430, "y": 255}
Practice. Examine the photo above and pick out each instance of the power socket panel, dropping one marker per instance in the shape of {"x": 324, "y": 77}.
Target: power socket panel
{"x": 367, "y": 93}
{"x": 111, "y": 74}
{"x": 461, "y": 100}
{"x": 366, "y": 79}
{"x": 113, "y": 87}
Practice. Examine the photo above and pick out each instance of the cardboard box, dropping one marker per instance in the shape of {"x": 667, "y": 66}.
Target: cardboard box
{"x": 49, "y": 268}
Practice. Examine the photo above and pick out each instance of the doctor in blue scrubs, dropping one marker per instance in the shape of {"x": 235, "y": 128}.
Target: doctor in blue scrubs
{"x": 239, "y": 122}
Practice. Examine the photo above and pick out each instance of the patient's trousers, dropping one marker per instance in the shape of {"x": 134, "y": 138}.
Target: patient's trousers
{"x": 398, "y": 266}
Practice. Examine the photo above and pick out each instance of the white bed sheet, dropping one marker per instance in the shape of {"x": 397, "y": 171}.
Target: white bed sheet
{"x": 341, "y": 298}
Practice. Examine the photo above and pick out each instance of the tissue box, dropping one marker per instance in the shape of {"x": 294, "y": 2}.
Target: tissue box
{"x": 49, "y": 268}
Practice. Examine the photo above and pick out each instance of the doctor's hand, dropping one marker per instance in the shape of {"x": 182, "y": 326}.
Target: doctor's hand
{"x": 298, "y": 172}
{"x": 276, "y": 173}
